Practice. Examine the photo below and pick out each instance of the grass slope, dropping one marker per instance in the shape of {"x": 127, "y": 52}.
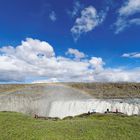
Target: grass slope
{"x": 16, "y": 126}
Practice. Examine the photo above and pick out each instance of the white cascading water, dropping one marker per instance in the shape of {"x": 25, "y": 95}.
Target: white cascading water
{"x": 62, "y": 109}
{"x": 62, "y": 101}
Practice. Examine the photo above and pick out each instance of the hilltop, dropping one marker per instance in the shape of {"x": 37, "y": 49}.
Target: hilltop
{"x": 97, "y": 90}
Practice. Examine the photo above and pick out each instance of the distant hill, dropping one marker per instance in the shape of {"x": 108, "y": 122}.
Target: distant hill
{"x": 110, "y": 90}
{"x": 97, "y": 90}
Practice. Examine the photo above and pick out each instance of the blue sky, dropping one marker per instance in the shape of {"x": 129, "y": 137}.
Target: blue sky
{"x": 106, "y": 29}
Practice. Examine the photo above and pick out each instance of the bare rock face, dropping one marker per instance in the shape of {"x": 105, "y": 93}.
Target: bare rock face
{"x": 57, "y": 100}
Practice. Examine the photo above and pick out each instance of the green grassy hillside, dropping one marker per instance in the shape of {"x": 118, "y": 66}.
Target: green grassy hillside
{"x": 15, "y": 126}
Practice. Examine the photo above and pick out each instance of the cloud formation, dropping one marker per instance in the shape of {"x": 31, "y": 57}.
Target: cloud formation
{"x": 87, "y": 22}
{"x": 97, "y": 63}
{"x": 131, "y": 55}
{"x": 35, "y": 59}
{"x": 52, "y": 16}
{"x": 76, "y": 8}
{"x": 76, "y": 53}
{"x": 130, "y": 8}
{"x": 118, "y": 75}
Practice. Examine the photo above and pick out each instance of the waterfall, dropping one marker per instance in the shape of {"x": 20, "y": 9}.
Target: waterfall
{"x": 62, "y": 109}
{"x": 61, "y": 101}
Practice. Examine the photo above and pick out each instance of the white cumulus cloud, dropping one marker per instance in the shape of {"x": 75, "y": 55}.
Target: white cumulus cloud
{"x": 35, "y": 60}
{"x": 97, "y": 63}
{"x": 118, "y": 75}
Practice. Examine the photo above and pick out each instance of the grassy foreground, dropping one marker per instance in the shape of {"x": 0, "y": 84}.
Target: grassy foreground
{"x": 16, "y": 126}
